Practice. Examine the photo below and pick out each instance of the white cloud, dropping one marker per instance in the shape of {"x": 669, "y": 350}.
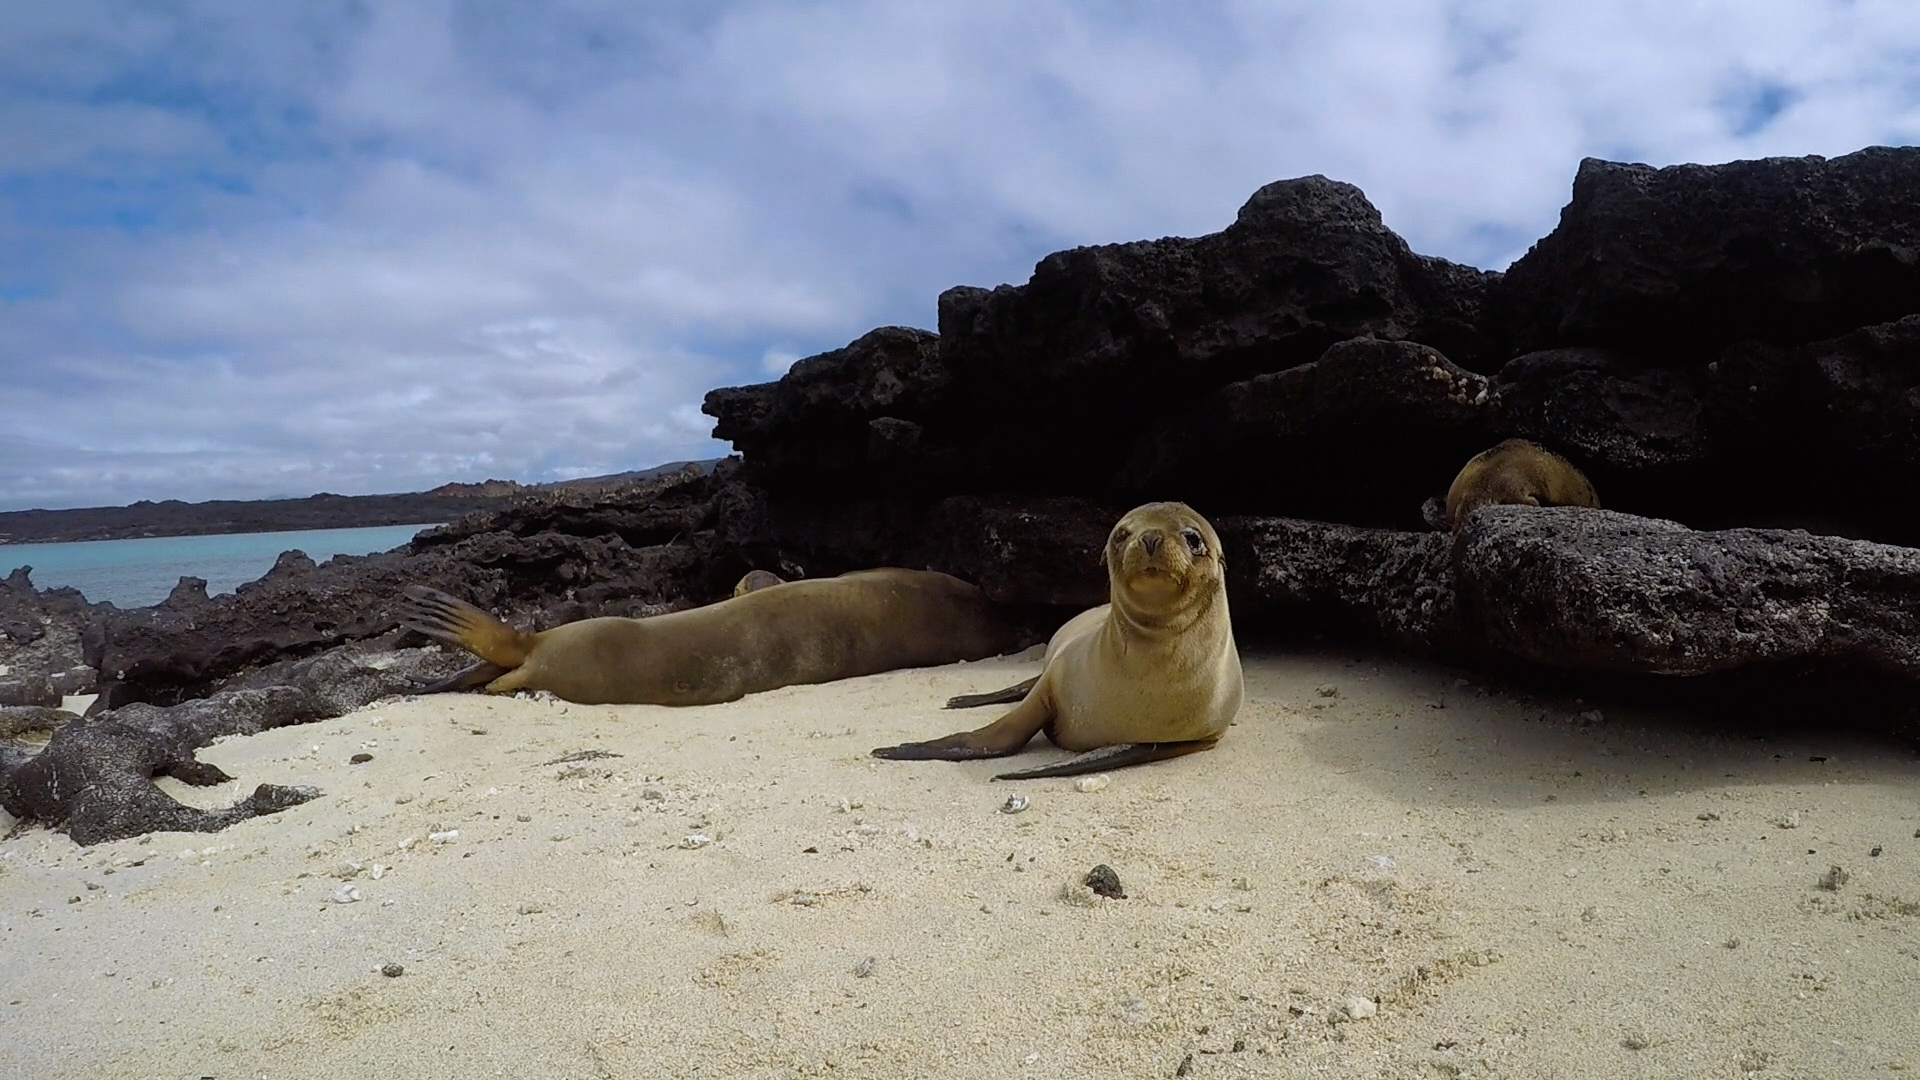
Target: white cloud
{"x": 377, "y": 247}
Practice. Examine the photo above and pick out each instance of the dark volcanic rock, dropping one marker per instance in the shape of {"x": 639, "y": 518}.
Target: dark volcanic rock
{"x": 29, "y": 688}
{"x": 1362, "y": 434}
{"x": 1394, "y": 585}
{"x": 1599, "y": 591}
{"x": 1865, "y": 406}
{"x": 1595, "y": 591}
{"x": 49, "y": 641}
{"x": 95, "y": 778}
{"x": 1686, "y": 260}
{"x": 839, "y": 417}
{"x": 1022, "y": 550}
{"x": 1043, "y": 388}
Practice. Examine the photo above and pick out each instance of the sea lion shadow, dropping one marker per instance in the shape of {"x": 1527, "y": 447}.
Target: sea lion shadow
{"x": 1409, "y": 730}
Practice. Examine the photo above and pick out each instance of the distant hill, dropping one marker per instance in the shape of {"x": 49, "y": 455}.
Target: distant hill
{"x": 323, "y": 511}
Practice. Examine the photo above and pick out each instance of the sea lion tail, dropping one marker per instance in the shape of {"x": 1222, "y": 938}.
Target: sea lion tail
{"x": 456, "y": 622}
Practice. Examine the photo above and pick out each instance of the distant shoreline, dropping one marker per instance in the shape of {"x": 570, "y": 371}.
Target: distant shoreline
{"x": 324, "y": 511}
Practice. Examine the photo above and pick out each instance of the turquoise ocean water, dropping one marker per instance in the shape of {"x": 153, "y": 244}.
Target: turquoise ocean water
{"x": 136, "y": 573}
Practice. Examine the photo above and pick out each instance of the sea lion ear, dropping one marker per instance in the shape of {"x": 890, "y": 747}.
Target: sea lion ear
{"x": 1103, "y": 556}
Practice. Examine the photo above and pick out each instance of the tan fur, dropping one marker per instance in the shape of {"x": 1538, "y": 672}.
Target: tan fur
{"x": 757, "y": 579}
{"x": 457, "y": 622}
{"x": 1155, "y": 666}
{"x": 1517, "y": 471}
{"x": 802, "y": 632}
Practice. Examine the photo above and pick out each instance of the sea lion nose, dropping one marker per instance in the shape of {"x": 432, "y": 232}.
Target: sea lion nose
{"x": 1150, "y": 541}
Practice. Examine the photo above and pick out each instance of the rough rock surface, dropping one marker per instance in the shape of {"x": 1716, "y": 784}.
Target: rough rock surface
{"x": 1362, "y": 434}
{"x": 1686, "y": 260}
{"x": 50, "y": 641}
{"x": 1601, "y": 591}
{"x": 95, "y": 777}
{"x": 1592, "y": 590}
{"x": 1043, "y": 388}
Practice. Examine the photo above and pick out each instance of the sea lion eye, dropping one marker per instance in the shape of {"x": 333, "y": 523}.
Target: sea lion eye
{"x": 1194, "y": 543}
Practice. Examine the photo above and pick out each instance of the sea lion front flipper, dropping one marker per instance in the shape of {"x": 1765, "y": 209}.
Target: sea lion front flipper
{"x": 1011, "y": 695}
{"x": 1118, "y": 756}
{"x": 1002, "y": 738}
{"x": 483, "y": 672}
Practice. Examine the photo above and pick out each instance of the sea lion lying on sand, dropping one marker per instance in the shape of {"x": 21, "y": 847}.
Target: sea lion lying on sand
{"x": 1153, "y": 674}
{"x": 802, "y": 632}
{"x": 1517, "y": 471}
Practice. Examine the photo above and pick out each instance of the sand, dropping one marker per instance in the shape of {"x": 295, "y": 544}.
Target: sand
{"x": 1509, "y": 887}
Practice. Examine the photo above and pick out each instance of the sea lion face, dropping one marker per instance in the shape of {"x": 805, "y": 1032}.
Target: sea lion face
{"x": 1161, "y": 558}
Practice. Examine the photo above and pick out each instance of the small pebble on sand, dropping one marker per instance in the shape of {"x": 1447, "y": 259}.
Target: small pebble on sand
{"x": 1014, "y": 804}
{"x": 1092, "y": 783}
{"x": 1359, "y": 1008}
{"x": 1327, "y": 690}
{"x": 1833, "y": 879}
{"x": 347, "y": 893}
{"x": 1103, "y": 880}
{"x": 392, "y": 971}
{"x": 863, "y": 968}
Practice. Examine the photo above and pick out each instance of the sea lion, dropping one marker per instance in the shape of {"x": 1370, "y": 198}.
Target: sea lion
{"x": 1152, "y": 674}
{"x": 757, "y": 579}
{"x": 810, "y": 631}
{"x": 1517, "y": 471}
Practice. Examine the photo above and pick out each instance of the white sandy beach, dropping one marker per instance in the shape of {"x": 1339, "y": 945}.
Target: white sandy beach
{"x": 1518, "y": 890}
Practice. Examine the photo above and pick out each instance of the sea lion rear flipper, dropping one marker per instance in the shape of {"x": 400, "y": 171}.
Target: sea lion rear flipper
{"x": 1002, "y": 738}
{"x": 479, "y": 674}
{"x": 456, "y": 622}
{"x": 1118, "y": 756}
{"x": 1011, "y": 695}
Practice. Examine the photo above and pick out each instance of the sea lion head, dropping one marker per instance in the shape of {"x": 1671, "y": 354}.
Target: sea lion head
{"x": 1163, "y": 560}
{"x": 757, "y": 580}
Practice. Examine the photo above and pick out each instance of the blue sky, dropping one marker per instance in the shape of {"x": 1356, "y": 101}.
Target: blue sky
{"x": 267, "y": 249}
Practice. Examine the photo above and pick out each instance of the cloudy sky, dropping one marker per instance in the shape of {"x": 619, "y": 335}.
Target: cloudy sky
{"x": 267, "y": 249}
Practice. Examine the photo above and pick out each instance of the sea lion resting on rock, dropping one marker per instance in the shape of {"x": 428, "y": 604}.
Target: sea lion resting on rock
{"x": 1153, "y": 674}
{"x": 757, "y": 579}
{"x": 803, "y": 632}
{"x": 1517, "y": 471}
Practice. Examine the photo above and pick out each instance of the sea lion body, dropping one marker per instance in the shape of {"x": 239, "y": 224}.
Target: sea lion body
{"x": 803, "y": 632}
{"x": 755, "y": 580}
{"x": 1517, "y": 471}
{"x": 1153, "y": 674}
{"x": 1104, "y": 691}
